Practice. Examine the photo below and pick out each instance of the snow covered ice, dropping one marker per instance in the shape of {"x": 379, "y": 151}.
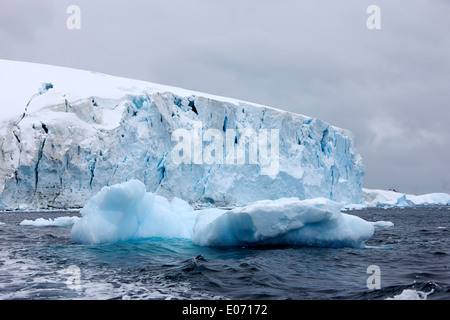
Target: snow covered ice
{"x": 127, "y": 212}
{"x": 58, "y": 222}
{"x": 388, "y": 198}
{"x": 316, "y": 222}
{"x": 67, "y": 133}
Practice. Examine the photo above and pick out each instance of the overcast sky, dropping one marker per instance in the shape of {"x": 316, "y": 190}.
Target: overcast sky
{"x": 390, "y": 87}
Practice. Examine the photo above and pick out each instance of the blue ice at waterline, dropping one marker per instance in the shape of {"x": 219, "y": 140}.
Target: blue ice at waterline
{"x": 128, "y": 212}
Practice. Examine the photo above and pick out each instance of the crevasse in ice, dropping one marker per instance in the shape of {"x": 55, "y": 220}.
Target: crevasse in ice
{"x": 67, "y": 133}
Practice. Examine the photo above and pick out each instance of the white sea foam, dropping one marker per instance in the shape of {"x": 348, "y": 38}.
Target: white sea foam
{"x": 411, "y": 294}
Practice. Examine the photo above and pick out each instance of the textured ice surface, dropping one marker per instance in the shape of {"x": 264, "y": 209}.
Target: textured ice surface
{"x": 382, "y": 224}
{"x": 66, "y": 133}
{"x": 314, "y": 222}
{"x": 127, "y": 212}
{"x": 387, "y": 198}
{"x": 58, "y": 222}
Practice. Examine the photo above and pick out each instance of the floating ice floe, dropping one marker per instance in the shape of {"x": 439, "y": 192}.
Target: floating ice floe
{"x": 382, "y": 224}
{"x": 58, "y": 222}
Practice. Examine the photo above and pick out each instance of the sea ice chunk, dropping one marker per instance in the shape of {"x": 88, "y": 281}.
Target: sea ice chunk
{"x": 382, "y": 224}
{"x": 127, "y": 212}
{"x": 315, "y": 222}
{"x": 58, "y": 222}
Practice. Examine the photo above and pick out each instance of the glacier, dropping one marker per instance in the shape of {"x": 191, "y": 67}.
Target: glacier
{"x": 67, "y": 133}
{"x": 126, "y": 212}
{"x": 390, "y": 198}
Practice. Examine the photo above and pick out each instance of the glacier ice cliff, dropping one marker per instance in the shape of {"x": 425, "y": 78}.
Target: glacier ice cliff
{"x": 67, "y": 133}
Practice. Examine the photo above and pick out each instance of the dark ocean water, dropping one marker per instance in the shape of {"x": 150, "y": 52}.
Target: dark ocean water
{"x": 412, "y": 256}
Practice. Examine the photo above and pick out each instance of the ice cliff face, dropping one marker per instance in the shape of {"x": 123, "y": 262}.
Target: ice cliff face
{"x": 67, "y": 133}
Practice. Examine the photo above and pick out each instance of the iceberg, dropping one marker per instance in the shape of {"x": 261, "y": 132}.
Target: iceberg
{"x": 315, "y": 222}
{"x": 127, "y": 212}
{"x": 67, "y": 133}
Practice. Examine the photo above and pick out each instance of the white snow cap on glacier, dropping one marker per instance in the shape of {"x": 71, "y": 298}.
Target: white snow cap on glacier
{"x": 67, "y": 133}
{"x": 20, "y": 81}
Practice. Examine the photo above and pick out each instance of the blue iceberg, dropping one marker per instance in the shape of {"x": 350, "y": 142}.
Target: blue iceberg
{"x": 128, "y": 212}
